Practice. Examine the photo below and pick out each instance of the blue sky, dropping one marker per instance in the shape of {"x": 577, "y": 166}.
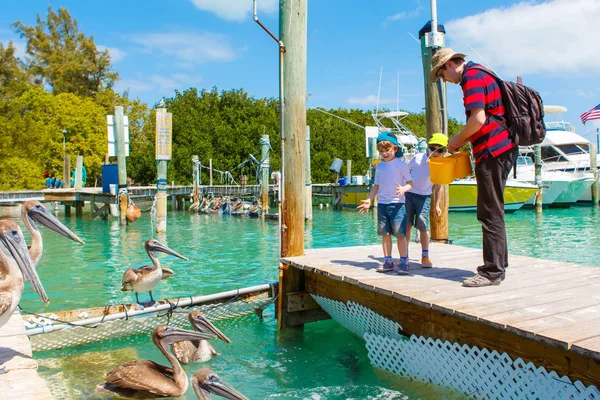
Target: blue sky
{"x": 158, "y": 47}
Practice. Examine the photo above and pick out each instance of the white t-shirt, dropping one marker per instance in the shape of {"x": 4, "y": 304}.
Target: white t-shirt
{"x": 419, "y": 170}
{"x": 387, "y": 176}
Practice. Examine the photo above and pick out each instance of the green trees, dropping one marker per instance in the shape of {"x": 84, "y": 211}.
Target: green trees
{"x": 63, "y": 58}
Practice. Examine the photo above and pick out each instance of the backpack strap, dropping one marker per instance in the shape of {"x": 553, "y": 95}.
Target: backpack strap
{"x": 498, "y": 120}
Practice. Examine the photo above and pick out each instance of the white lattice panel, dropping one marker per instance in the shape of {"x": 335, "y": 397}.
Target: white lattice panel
{"x": 476, "y": 372}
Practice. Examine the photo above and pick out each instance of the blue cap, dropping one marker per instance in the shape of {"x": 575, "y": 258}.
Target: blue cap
{"x": 390, "y": 137}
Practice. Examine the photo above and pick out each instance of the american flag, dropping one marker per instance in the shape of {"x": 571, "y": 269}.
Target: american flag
{"x": 594, "y": 113}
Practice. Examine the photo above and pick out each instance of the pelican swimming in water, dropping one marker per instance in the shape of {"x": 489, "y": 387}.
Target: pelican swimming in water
{"x": 205, "y": 382}
{"x": 143, "y": 379}
{"x": 145, "y": 278}
{"x": 198, "y": 350}
{"x": 15, "y": 264}
{"x": 33, "y": 210}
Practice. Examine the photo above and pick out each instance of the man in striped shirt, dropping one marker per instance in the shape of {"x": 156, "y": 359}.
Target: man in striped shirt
{"x": 494, "y": 153}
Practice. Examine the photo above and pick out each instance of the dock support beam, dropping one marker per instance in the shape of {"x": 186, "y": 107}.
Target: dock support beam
{"x": 594, "y": 168}
{"x": 265, "y": 146}
{"x": 434, "y": 95}
{"x": 308, "y": 181}
{"x": 122, "y": 164}
{"x": 163, "y": 154}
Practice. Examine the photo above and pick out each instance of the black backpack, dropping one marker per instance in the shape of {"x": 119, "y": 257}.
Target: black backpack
{"x": 523, "y": 110}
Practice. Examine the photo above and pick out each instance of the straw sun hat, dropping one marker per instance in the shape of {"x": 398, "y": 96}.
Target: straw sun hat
{"x": 440, "y": 58}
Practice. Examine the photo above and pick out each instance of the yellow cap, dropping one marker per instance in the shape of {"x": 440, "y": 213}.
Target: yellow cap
{"x": 439, "y": 139}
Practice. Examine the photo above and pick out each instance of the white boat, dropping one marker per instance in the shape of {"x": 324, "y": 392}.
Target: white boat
{"x": 565, "y": 151}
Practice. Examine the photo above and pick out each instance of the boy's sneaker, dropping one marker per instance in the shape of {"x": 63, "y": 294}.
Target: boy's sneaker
{"x": 480, "y": 281}
{"x": 386, "y": 267}
{"x": 403, "y": 269}
{"x": 426, "y": 262}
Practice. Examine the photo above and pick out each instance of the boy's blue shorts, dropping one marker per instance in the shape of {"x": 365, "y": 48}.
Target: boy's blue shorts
{"x": 417, "y": 210}
{"x": 391, "y": 219}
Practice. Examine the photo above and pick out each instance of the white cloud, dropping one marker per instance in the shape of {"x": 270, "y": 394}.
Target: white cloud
{"x": 116, "y": 54}
{"x": 403, "y": 15}
{"x": 188, "y": 48}
{"x": 160, "y": 83}
{"x": 554, "y": 36}
{"x": 369, "y": 101}
{"x": 236, "y": 10}
{"x": 579, "y": 93}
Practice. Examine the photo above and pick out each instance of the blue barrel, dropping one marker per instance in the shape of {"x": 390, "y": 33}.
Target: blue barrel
{"x": 110, "y": 176}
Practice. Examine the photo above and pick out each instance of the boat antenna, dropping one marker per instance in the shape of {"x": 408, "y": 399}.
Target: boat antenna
{"x": 337, "y": 116}
{"x": 398, "y": 92}
{"x": 482, "y": 59}
{"x": 379, "y": 90}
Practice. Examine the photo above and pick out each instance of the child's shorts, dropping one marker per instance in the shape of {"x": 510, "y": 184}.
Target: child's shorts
{"x": 417, "y": 210}
{"x": 390, "y": 219}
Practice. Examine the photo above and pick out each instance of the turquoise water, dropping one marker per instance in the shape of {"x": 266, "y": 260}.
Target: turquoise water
{"x": 323, "y": 362}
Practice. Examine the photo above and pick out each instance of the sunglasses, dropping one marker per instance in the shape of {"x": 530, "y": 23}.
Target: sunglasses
{"x": 434, "y": 149}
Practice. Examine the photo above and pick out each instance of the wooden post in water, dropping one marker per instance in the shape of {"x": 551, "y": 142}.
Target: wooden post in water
{"x": 210, "y": 172}
{"x": 77, "y": 184}
{"x": 308, "y": 180}
{"x": 119, "y": 122}
{"x": 265, "y": 146}
{"x": 431, "y": 40}
{"x": 292, "y": 27}
{"x": 537, "y": 155}
{"x": 163, "y": 155}
{"x": 196, "y": 193}
{"x": 594, "y": 168}
{"x": 348, "y": 172}
{"x": 67, "y": 172}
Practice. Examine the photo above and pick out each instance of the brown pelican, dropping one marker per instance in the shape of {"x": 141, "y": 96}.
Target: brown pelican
{"x": 33, "y": 210}
{"x": 198, "y": 350}
{"x": 15, "y": 263}
{"x": 143, "y": 379}
{"x": 145, "y": 278}
{"x": 205, "y": 382}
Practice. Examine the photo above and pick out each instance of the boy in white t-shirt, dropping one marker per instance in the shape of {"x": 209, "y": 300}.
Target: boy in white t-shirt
{"x": 392, "y": 180}
{"x": 418, "y": 198}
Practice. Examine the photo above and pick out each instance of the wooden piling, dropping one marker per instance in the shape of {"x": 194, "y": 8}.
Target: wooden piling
{"x": 78, "y": 184}
{"x": 265, "y": 146}
{"x": 292, "y": 22}
{"x": 121, "y": 162}
{"x": 537, "y": 155}
{"x": 163, "y": 155}
{"x": 308, "y": 181}
{"x": 594, "y": 168}
{"x": 67, "y": 172}
{"x": 434, "y": 124}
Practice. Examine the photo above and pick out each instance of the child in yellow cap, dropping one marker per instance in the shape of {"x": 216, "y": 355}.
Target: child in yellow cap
{"x": 419, "y": 197}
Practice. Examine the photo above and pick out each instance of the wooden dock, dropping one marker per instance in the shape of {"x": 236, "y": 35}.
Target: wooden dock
{"x": 546, "y": 312}
{"x": 20, "y": 380}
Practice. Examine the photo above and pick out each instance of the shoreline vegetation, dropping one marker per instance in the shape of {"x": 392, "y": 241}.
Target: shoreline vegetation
{"x": 60, "y": 93}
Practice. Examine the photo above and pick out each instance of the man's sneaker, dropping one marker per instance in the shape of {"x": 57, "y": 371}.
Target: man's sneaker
{"x": 386, "y": 267}
{"x": 479, "y": 281}
{"x": 426, "y": 262}
{"x": 403, "y": 269}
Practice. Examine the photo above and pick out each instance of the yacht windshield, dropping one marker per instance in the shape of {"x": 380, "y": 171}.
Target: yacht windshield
{"x": 572, "y": 148}
{"x": 549, "y": 154}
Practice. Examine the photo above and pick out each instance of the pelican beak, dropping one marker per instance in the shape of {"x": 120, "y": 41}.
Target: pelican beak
{"x": 174, "y": 335}
{"x": 201, "y": 324}
{"x": 217, "y": 386}
{"x": 45, "y": 217}
{"x": 164, "y": 249}
{"x": 14, "y": 242}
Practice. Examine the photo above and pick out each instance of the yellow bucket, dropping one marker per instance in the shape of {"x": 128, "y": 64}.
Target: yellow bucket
{"x": 441, "y": 170}
{"x": 462, "y": 168}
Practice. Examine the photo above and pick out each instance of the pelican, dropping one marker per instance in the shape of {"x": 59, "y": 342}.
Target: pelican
{"x": 15, "y": 263}
{"x": 205, "y": 382}
{"x": 198, "y": 350}
{"x": 143, "y": 379}
{"x": 145, "y": 278}
{"x": 33, "y": 210}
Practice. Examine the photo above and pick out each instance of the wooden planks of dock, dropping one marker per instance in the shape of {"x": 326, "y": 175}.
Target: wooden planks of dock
{"x": 547, "y": 312}
{"x": 20, "y": 379}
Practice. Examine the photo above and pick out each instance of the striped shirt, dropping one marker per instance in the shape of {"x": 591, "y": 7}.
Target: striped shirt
{"x": 480, "y": 90}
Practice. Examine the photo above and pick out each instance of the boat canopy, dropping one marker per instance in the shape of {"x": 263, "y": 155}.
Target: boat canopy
{"x": 554, "y": 109}
{"x": 557, "y": 138}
